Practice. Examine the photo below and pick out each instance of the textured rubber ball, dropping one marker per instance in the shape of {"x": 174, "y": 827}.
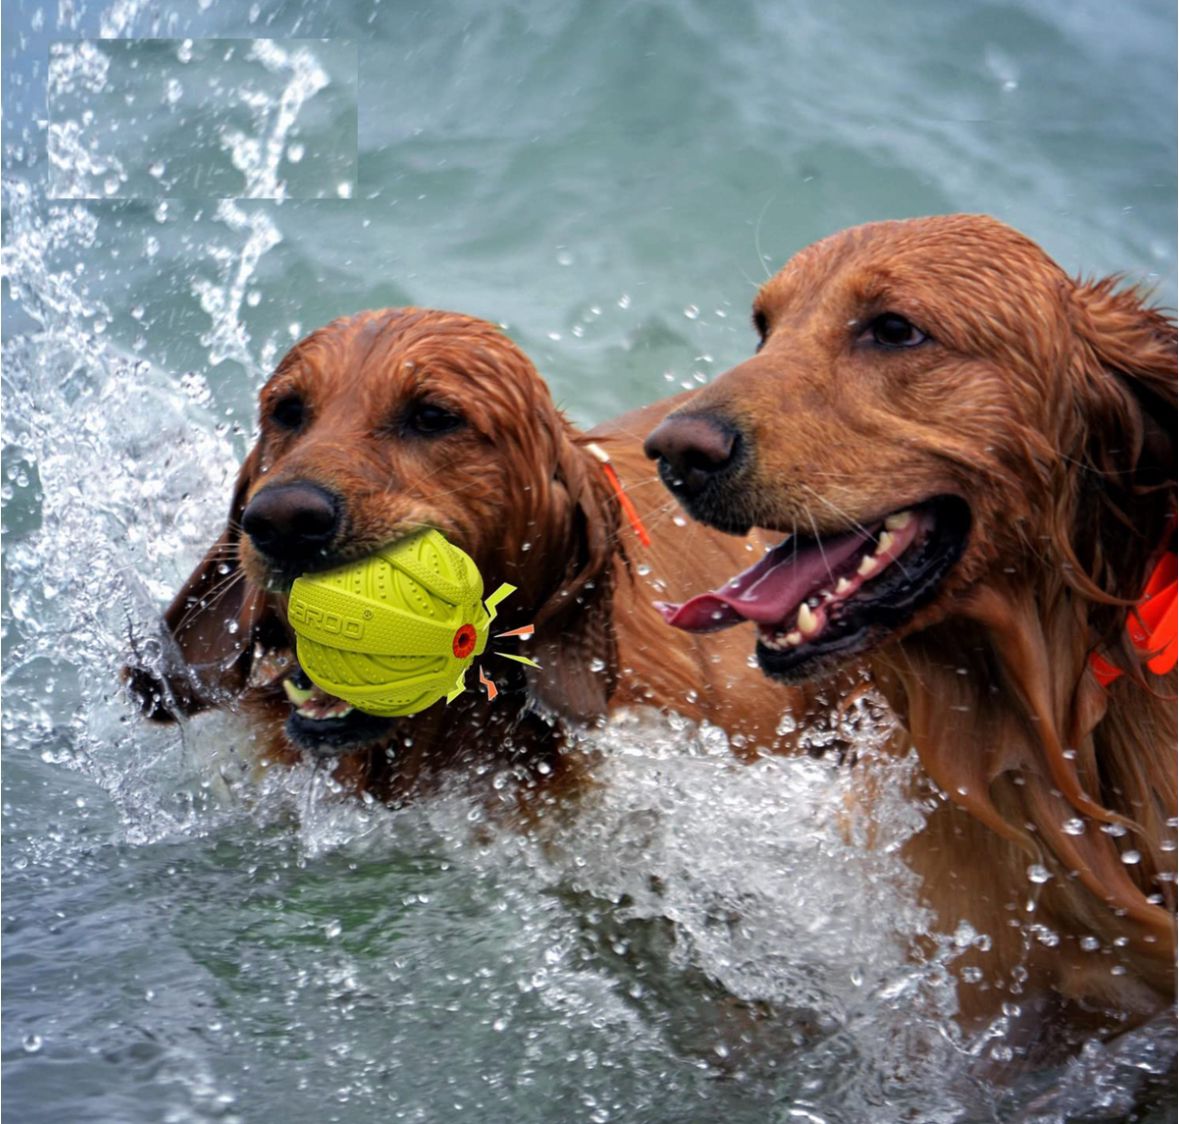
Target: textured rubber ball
{"x": 394, "y": 632}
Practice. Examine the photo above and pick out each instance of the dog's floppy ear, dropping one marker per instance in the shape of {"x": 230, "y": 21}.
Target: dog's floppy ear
{"x": 1124, "y": 372}
{"x": 575, "y": 642}
{"x": 204, "y": 651}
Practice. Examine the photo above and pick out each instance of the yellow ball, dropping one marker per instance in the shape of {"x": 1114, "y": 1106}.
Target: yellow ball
{"x": 396, "y": 631}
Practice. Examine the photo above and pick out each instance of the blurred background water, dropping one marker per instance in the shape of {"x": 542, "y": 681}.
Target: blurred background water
{"x": 187, "y": 189}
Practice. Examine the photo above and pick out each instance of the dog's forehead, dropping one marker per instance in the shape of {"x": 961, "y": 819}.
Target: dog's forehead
{"x": 405, "y": 346}
{"x": 943, "y": 255}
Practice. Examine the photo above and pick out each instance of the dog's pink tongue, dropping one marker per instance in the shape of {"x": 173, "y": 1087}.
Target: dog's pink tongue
{"x": 770, "y": 590}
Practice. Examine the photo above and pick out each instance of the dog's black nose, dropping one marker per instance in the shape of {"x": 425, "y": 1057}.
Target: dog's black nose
{"x": 692, "y": 450}
{"x": 292, "y": 522}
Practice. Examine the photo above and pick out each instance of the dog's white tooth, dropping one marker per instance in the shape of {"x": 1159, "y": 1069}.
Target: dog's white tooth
{"x": 898, "y": 521}
{"x": 867, "y": 566}
{"x": 793, "y": 639}
{"x": 884, "y": 542}
{"x": 842, "y": 586}
{"x": 807, "y": 621}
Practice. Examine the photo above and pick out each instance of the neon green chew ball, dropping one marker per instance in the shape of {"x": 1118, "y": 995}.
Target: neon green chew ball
{"x": 396, "y": 631}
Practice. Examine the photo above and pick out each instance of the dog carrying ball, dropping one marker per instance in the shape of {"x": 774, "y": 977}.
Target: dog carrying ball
{"x": 394, "y": 632}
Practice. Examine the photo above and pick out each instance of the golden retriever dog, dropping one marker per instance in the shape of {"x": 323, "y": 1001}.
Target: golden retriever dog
{"x": 973, "y": 459}
{"x": 384, "y": 423}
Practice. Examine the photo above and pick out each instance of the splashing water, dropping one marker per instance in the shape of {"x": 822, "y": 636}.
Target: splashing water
{"x": 75, "y": 160}
{"x": 259, "y": 160}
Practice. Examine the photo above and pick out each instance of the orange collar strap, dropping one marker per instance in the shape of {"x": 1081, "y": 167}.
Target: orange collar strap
{"x": 1152, "y": 624}
{"x": 629, "y": 510}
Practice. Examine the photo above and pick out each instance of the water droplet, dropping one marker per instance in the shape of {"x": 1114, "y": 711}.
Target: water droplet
{"x": 1114, "y": 829}
{"x": 1073, "y": 827}
{"x": 597, "y": 665}
{"x": 1038, "y": 874}
{"x": 32, "y": 1043}
{"x": 1090, "y": 944}
{"x": 624, "y": 301}
{"x": 692, "y": 312}
{"x": 1131, "y": 857}
{"x": 344, "y": 189}
{"x": 295, "y": 152}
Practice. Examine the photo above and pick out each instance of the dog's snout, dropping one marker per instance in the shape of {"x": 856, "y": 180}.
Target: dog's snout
{"x": 692, "y": 450}
{"x": 292, "y": 521}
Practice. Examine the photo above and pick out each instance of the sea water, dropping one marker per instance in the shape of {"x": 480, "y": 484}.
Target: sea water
{"x": 187, "y": 189}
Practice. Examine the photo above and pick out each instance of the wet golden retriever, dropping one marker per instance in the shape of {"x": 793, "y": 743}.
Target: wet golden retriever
{"x": 386, "y": 422}
{"x": 974, "y": 458}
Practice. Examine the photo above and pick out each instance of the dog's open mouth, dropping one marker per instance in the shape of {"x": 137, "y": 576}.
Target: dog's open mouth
{"x": 318, "y": 723}
{"x": 323, "y": 724}
{"x": 820, "y": 600}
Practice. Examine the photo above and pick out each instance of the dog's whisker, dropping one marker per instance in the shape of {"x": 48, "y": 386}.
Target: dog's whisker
{"x": 216, "y": 593}
{"x": 761, "y": 258}
{"x": 634, "y": 485}
{"x": 844, "y": 515}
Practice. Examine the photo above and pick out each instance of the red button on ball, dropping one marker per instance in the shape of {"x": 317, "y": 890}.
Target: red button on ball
{"x": 464, "y": 641}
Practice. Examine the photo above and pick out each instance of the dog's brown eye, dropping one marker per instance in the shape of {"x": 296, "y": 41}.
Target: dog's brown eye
{"x": 289, "y": 412}
{"x": 891, "y": 330}
{"x": 430, "y": 420}
{"x": 762, "y": 326}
